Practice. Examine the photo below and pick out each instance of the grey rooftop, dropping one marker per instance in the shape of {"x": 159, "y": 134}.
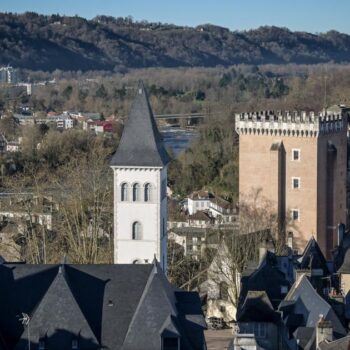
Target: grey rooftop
{"x": 141, "y": 143}
{"x": 126, "y": 307}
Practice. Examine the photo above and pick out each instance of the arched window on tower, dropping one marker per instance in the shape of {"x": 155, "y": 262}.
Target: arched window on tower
{"x": 136, "y": 192}
{"x": 124, "y": 192}
{"x": 136, "y": 231}
{"x": 148, "y": 189}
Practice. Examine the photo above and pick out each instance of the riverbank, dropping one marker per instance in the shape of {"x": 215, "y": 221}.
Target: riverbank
{"x": 177, "y": 139}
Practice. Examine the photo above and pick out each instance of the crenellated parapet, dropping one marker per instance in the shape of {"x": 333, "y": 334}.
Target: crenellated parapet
{"x": 300, "y": 124}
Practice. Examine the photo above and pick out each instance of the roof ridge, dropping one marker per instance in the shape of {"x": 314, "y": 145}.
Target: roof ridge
{"x": 141, "y": 143}
{"x": 59, "y": 280}
{"x": 154, "y": 273}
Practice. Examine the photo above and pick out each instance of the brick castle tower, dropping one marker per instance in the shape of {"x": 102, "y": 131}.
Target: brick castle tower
{"x": 298, "y": 161}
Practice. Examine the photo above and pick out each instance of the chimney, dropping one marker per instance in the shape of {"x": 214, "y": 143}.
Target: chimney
{"x": 264, "y": 248}
{"x": 262, "y": 252}
{"x": 324, "y": 331}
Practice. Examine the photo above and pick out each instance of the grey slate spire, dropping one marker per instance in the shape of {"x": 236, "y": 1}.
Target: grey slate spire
{"x": 141, "y": 143}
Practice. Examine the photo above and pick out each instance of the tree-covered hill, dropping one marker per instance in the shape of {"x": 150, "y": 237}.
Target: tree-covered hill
{"x": 47, "y": 43}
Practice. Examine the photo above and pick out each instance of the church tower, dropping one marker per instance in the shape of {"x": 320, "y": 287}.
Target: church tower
{"x": 140, "y": 182}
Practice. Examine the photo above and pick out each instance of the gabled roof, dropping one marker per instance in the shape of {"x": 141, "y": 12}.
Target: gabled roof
{"x": 340, "y": 344}
{"x": 266, "y": 277}
{"x": 200, "y": 216}
{"x": 345, "y": 267}
{"x": 57, "y": 313}
{"x": 257, "y": 308}
{"x": 313, "y": 258}
{"x": 141, "y": 143}
{"x": 306, "y": 337}
{"x": 108, "y": 305}
{"x": 200, "y": 195}
{"x": 303, "y": 299}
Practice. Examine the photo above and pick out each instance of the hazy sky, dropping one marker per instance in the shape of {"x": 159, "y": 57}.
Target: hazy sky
{"x": 309, "y": 15}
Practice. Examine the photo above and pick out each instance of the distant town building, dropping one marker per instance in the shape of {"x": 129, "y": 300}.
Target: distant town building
{"x": 140, "y": 184}
{"x": 299, "y": 163}
{"x": 215, "y": 206}
{"x": 13, "y": 146}
{"x": 64, "y": 121}
{"x": 8, "y": 75}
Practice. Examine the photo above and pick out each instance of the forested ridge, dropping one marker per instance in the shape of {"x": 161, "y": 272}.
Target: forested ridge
{"x": 38, "y": 42}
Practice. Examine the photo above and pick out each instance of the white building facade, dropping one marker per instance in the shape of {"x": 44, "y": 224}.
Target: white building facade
{"x": 140, "y": 182}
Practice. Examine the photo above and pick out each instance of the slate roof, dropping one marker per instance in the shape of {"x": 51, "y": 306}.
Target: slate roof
{"x": 306, "y": 337}
{"x": 345, "y": 267}
{"x": 257, "y": 308}
{"x": 108, "y": 306}
{"x": 340, "y": 344}
{"x": 200, "y": 216}
{"x": 141, "y": 143}
{"x": 266, "y": 277}
{"x": 304, "y": 300}
{"x": 313, "y": 258}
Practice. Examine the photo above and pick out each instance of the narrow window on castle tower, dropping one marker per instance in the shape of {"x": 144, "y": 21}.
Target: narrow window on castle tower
{"x": 148, "y": 189}
{"x": 295, "y": 154}
{"x": 136, "y": 231}
{"x": 135, "y": 192}
{"x": 295, "y": 214}
{"x": 296, "y": 182}
{"x": 124, "y": 192}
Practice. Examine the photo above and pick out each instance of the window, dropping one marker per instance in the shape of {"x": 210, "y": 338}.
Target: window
{"x": 195, "y": 240}
{"x": 135, "y": 192}
{"x": 295, "y": 154}
{"x": 75, "y": 344}
{"x": 223, "y": 291}
{"x": 124, "y": 192}
{"x": 295, "y": 182}
{"x": 136, "y": 231}
{"x": 170, "y": 344}
{"x": 284, "y": 289}
{"x": 41, "y": 344}
{"x": 295, "y": 214}
{"x": 260, "y": 330}
{"x": 147, "y": 194}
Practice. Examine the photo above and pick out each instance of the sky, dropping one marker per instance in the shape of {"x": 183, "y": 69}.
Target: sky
{"x": 304, "y": 15}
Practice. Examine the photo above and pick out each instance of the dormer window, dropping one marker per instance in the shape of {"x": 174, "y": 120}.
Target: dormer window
{"x": 42, "y": 344}
{"x": 170, "y": 343}
{"x": 75, "y": 344}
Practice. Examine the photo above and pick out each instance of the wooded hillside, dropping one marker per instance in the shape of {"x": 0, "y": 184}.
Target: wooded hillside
{"x": 38, "y": 42}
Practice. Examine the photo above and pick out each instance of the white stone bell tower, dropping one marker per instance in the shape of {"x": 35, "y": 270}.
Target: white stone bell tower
{"x": 140, "y": 181}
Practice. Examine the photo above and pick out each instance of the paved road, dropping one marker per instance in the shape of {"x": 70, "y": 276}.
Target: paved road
{"x": 218, "y": 340}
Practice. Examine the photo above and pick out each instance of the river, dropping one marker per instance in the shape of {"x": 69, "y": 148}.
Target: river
{"x": 177, "y": 139}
